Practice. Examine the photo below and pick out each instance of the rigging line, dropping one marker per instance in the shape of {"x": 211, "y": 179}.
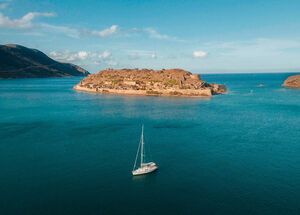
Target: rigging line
{"x": 137, "y": 154}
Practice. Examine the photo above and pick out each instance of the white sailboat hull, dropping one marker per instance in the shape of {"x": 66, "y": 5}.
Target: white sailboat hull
{"x": 145, "y": 169}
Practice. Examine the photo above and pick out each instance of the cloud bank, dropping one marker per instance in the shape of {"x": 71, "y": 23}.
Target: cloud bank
{"x": 23, "y": 22}
{"x": 104, "y": 58}
{"x": 106, "y": 32}
{"x": 28, "y": 22}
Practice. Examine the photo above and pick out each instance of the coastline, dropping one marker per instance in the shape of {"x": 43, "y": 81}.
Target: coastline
{"x": 138, "y": 92}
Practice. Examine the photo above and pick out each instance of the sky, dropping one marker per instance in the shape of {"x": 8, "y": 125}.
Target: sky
{"x": 204, "y": 36}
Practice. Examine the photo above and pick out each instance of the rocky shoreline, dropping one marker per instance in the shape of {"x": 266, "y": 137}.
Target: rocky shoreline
{"x": 146, "y": 82}
{"x": 292, "y": 81}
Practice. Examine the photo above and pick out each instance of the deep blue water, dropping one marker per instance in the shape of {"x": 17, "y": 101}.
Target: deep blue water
{"x": 64, "y": 152}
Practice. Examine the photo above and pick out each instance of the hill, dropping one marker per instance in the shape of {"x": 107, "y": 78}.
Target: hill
{"x": 165, "y": 82}
{"x": 20, "y": 62}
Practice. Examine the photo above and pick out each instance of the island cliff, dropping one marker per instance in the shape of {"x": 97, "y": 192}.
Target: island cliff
{"x": 292, "y": 81}
{"x": 20, "y": 62}
{"x": 165, "y": 82}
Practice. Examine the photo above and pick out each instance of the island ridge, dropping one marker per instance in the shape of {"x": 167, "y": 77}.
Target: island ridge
{"x": 165, "y": 82}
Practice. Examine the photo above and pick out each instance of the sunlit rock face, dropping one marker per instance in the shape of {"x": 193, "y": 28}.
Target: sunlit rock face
{"x": 292, "y": 81}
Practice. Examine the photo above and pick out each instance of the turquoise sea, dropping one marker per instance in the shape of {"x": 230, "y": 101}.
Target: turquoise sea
{"x": 64, "y": 152}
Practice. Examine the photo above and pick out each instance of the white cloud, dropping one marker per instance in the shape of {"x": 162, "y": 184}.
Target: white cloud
{"x": 104, "y": 55}
{"x": 106, "y": 32}
{"x": 82, "y": 55}
{"x": 70, "y": 32}
{"x": 156, "y": 35}
{"x": 59, "y": 55}
{"x": 77, "y": 33}
{"x": 199, "y": 54}
{"x": 97, "y": 58}
{"x": 68, "y": 56}
{"x": 138, "y": 54}
{"x": 105, "y": 58}
{"x": 23, "y": 22}
{"x": 27, "y": 22}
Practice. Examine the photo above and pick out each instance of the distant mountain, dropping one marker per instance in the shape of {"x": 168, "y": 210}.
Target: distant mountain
{"x": 20, "y": 62}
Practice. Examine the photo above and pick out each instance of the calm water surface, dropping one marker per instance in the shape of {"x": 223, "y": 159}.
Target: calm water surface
{"x": 64, "y": 152}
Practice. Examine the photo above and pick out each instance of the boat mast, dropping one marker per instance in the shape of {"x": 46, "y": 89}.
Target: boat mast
{"x": 142, "y": 146}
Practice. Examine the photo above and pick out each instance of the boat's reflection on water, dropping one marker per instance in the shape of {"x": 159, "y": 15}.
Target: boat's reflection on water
{"x": 146, "y": 177}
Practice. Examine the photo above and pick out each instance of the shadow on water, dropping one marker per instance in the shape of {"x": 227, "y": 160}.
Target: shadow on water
{"x": 103, "y": 128}
{"x": 146, "y": 178}
{"x": 11, "y": 129}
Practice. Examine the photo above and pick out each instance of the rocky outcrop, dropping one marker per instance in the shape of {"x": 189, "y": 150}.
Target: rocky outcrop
{"x": 20, "y": 62}
{"x": 292, "y": 81}
{"x": 165, "y": 82}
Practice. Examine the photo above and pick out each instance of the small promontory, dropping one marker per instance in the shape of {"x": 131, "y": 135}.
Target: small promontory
{"x": 165, "y": 82}
{"x": 292, "y": 81}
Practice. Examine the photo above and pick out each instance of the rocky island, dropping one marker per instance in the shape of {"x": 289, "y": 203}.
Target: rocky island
{"x": 292, "y": 81}
{"x": 165, "y": 82}
{"x": 17, "y": 61}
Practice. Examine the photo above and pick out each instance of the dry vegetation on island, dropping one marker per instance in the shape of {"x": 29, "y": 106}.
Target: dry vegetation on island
{"x": 165, "y": 82}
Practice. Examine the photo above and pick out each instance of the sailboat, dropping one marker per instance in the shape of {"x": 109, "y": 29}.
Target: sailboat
{"x": 144, "y": 168}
